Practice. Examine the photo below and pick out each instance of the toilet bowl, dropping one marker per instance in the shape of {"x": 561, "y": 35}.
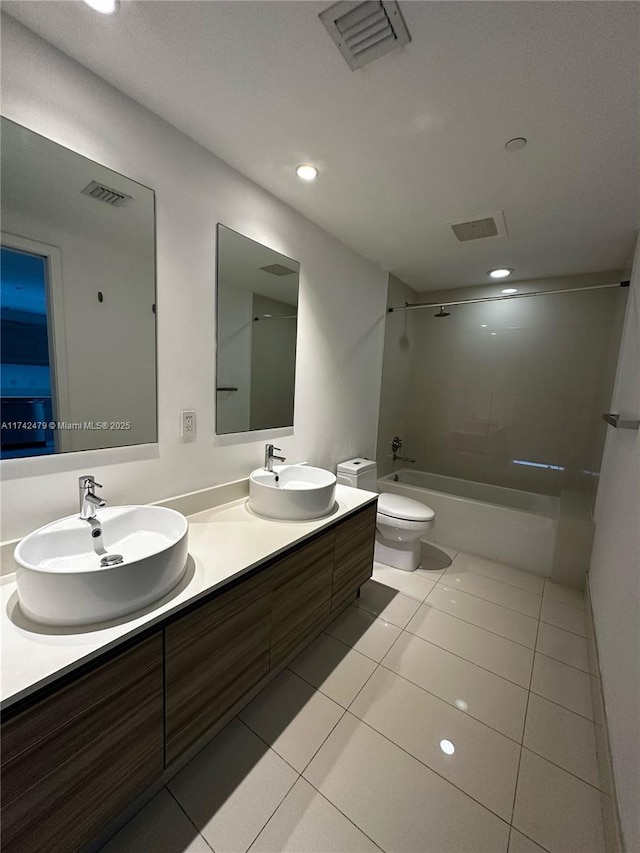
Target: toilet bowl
{"x": 400, "y": 525}
{"x": 400, "y": 522}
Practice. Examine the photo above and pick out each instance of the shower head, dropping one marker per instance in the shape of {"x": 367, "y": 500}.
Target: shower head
{"x": 442, "y": 312}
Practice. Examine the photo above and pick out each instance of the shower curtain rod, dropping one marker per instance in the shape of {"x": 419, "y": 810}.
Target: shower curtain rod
{"x": 276, "y": 317}
{"x": 411, "y": 306}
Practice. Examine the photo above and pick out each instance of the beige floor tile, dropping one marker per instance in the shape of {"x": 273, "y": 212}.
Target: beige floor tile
{"x": 493, "y": 617}
{"x": 563, "y": 616}
{"x": 562, "y": 684}
{"x": 518, "y": 843}
{"x": 335, "y": 669}
{"x": 437, "y": 551}
{"x": 386, "y": 603}
{"x": 363, "y": 632}
{"x": 160, "y": 826}
{"x": 305, "y": 822}
{"x": 557, "y": 810}
{"x": 563, "y": 646}
{"x": 292, "y": 718}
{"x": 484, "y": 696}
{"x": 502, "y": 657}
{"x": 473, "y": 757}
{"x": 499, "y": 572}
{"x": 232, "y": 787}
{"x": 520, "y": 600}
{"x": 410, "y": 583}
{"x": 431, "y": 570}
{"x": 434, "y": 559}
{"x": 397, "y": 801}
{"x": 564, "y": 594}
{"x": 562, "y": 737}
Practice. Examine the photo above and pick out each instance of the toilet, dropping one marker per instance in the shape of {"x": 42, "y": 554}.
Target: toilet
{"x": 400, "y": 522}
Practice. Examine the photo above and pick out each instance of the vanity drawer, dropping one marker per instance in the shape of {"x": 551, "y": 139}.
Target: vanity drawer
{"x": 75, "y": 759}
{"x": 214, "y": 656}
{"x": 301, "y": 595}
{"x": 353, "y": 565}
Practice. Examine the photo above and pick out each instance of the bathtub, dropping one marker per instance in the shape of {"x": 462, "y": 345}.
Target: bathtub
{"x": 506, "y": 525}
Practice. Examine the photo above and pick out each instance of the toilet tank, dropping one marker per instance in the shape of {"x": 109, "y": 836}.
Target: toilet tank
{"x": 359, "y": 472}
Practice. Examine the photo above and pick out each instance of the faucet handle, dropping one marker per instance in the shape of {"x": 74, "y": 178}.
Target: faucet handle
{"x": 88, "y": 481}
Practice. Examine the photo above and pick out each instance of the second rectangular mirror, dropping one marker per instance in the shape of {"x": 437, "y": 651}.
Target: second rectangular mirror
{"x": 257, "y": 323}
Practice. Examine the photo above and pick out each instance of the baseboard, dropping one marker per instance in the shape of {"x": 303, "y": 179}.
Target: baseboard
{"x": 608, "y": 795}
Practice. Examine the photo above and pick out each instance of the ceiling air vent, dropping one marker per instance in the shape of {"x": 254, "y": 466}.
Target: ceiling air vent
{"x": 277, "y": 269}
{"x": 106, "y": 194}
{"x": 365, "y": 31}
{"x": 480, "y": 227}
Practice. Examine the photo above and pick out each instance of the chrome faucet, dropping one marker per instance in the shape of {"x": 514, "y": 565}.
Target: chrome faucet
{"x": 89, "y": 502}
{"x": 396, "y": 445}
{"x": 269, "y": 456}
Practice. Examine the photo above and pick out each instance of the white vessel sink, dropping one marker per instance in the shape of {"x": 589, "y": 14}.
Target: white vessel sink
{"x": 292, "y": 492}
{"x": 61, "y": 580}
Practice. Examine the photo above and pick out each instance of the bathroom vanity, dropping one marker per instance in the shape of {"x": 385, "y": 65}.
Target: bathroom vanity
{"x": 93, "y": 719}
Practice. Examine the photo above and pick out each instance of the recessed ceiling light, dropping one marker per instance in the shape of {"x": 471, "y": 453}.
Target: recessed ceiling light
{"x": 307, "y": 172}
{"x": 447, "y": 747}
{"x": 516, "y": 144}
{"x": 494, "y": 333}
{"x": 502, "y": 272}
{"x": 105, "y": 7}
{"x": 483, "y": 325}
{"x": 509, "y": 290}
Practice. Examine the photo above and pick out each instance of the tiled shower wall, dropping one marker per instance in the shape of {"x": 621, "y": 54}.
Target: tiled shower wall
{"x": 512, "y": 392}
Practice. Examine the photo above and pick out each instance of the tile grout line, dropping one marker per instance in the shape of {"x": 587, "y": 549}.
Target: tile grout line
{"x": 480, "y": 627}
{"x": 483, "y": 598}
{"x": 524, "y": 728}
{"x": 427, "y": 767}
{"x": 451, "y": 705}
{"x": 266, "y": 743}
{"x": 183, "y": 810}
{"x": 455, "y": 654}
{"x": 561, "y": 628}
{"x": 557, "y": 660}
{"x": 346, "y": 816}
{"x": 288, "y": 791}
{"x": 564, "y": 663}
{"x": 553, "y": 702}
{"x": 543, "y": 578}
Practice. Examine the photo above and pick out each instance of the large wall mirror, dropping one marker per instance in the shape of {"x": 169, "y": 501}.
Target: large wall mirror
{"x": 77, "y": 301}
{"x": 257, "y": 317}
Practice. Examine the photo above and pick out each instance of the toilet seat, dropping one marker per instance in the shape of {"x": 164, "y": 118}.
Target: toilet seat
{"x": 404, "y": 509}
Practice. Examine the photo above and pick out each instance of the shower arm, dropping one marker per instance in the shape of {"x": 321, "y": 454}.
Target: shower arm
{"x": 416, "y": 306}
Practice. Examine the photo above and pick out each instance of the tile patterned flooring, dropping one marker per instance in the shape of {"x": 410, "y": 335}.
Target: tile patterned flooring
{"x": 445, "y": 711}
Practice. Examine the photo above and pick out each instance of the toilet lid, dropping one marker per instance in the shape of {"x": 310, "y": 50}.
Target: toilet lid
{"x": 396, "y": 506}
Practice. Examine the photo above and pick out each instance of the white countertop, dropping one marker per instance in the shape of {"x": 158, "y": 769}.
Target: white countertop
{"x": 224, "y": 543}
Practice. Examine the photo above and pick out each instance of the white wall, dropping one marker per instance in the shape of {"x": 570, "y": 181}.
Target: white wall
{"x": 614, "y": 576}
{"x": 341, "y": 307}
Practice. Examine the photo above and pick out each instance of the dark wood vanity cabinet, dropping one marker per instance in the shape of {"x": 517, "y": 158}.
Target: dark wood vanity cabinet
{"x": 353, "y": 559}
{"x": 214, "y": 655}
{"x": 302, "y": 595}
{"x": 74, "y": 760}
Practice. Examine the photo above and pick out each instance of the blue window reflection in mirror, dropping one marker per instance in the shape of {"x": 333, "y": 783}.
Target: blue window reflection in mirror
{"x": 25, "y": 376}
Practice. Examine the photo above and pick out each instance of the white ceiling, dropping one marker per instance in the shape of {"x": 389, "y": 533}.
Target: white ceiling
{"x": 411, "y": 142}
